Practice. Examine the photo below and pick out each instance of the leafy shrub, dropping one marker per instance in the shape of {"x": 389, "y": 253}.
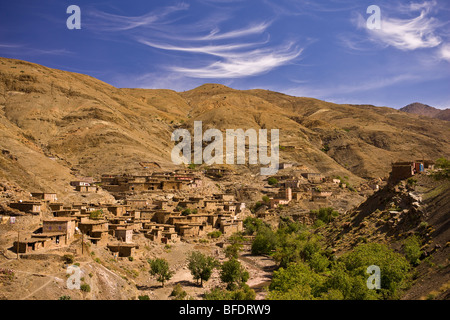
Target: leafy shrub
{"x": 215, "y": 234}
{"x": 186, "y": 212}
{"x": 96, "y": 215}
{"x": 325, "y": 214}
{"x": 85, "y": 287}
{"x": 272, "y": 181}
{"x": 178, "y": 293}
{"x": 411, "y": 247}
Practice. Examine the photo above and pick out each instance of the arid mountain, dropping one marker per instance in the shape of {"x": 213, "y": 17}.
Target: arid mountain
{"x": 54, "y": 124}
{"x": 427, "y": 111}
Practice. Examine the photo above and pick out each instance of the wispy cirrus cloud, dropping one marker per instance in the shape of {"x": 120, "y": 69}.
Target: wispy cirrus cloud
{"x": 444, "y": 52}
{"x": 256, "y": 28}
{"x": 230, "y": 53}
{"x": 250, "y": 63}
{"x": 103, "y": 21}
{"x": 27, "y": 50}
{"x": 405, "y": 34}
{"x": 350, "y": 88}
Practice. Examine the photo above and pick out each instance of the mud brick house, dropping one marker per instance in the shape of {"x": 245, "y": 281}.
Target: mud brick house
{"x": 155, "y": 234}
{"x": 162, "y": 204}
{"x": 124, "y": 233}
{"x": 224, "y": 196}
{"x": 33, "y": 207}
{"x": 117, "y": 210}
{"x": 163, "y": 233}
{"x": 99, "y": 237}
{"x": 86, "y": 189}
{"x": 291, "y": 183}
{"x": 188, "y": 204}
{"x": 29, "y": 245}
{"x": 172, "y": 185}
{"x": 79, "y": 184}
{"x": 123, "y": 249}
{"x": 229, "y": 224}
{"x": 282, "y": 198}
{"x": 56, "y": 206}
{"x": 427, "y": 164}
{"x": 217, "y": 172}
{"x": 66, "y": 213}
{"x": 137, "y": 203}
{"x": 402, "y": 170}
{"x": 276, "y": 202}
{"x": 320, "y": 196}
{"x": 196, "y": 183}
{"x": 284, "y": 165}
{"x": 313, "y": 177}
{"x": 230, "y": 207}
{"x": 45, "y": 196}
{"x": 213, "y": 205}
{"x": 90, "y": 226}
{"x": 65, "y": 225}
{"x": 147, "y": 214}
{"x": 161, "y": 216}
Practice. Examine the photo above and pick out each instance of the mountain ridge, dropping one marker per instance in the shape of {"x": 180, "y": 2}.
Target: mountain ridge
{"x": 427, "y": 111}
{"x": 92, "y": 128}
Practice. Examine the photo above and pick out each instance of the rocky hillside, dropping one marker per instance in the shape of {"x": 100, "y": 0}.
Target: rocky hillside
{"x": 427, "y": 111}
{"x": 418, "y": 207}
{"x": 56, "y": 124}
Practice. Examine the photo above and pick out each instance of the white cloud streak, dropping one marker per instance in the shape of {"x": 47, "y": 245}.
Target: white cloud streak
{"x": 350, "y": 88}
{"x": 406, "y": 34}
{"x": 237, "y": 65}
{"x": 111, "y": 22}
{"x": 444, "y": 52}
{"x": 228, "y": 54}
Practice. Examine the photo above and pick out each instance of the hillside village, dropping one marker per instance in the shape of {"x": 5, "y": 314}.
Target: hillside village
{"x": 147, "y": 207}
{"x": 85, "y": 172}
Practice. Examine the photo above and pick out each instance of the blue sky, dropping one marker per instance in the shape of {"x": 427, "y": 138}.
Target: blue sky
{"x": 320, "y": 49}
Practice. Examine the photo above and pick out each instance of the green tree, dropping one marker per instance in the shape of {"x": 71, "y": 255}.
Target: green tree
{"x": 347, "y": 285}
{"x": 232, "y": 251}
{"x": 318, "y": 262}
{"x": 325, "y": 214}
{"x": 160, "y": 268}
{"x": 411, "y": 247}
{"x": 264, "y": 242}
{"x": 233, "y": 274}
{"x": 289, "y": 248}
{"x": 393, "y": 266}
{"x": 252, "y": 225}
{"x": 272, "y": 181}
{"x": 201, "y": 266}
{"x": 297, "y": 281}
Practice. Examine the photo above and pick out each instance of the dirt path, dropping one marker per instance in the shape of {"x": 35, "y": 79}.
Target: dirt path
{"x": 261, "y": 269}
{"x": 38, "y": 289}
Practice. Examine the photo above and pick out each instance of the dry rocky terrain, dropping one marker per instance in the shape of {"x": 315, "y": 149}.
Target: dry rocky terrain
{"x": 57, "y": 126}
